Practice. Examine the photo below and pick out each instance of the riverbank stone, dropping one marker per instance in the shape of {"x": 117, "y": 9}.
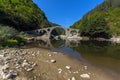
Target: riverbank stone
{"x": 85, "y": 76}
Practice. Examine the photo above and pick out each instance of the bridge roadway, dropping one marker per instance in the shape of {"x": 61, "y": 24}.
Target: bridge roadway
{"x": 69, "y": 32}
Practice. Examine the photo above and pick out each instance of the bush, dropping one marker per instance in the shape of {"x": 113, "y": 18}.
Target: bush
{"x": 21, "y": 38}
{"x": 10, "y": 43}
{"x": 10, "y": 37}
{"x": 7, "y": 32}
{"x": 95, "y": 26}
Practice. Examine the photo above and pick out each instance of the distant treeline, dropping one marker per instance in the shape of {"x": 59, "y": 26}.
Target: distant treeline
{"x": 102, "y": 21}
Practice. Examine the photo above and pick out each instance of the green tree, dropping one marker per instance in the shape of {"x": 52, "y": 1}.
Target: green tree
{"x": 22, "y": 15}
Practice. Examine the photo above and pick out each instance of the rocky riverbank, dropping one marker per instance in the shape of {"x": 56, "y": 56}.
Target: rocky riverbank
{"x": 42, "y": 64}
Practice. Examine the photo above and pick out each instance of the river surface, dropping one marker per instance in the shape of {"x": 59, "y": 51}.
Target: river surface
{"x": 100, "y": 54}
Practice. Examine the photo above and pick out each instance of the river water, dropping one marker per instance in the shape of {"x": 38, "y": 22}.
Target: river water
{"x": 101, "y": 54}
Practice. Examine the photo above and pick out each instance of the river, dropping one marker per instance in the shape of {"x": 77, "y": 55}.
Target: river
{"x": 100, "y": 54}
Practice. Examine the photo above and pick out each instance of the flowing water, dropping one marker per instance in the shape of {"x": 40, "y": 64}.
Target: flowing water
{"x": 101, "y": 54}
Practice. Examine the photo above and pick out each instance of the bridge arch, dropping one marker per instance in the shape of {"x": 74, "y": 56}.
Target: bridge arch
{"x": 56, "y": 31}
{"x": 48, "y": 32}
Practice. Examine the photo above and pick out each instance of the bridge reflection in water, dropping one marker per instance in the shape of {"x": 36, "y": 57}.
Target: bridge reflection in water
{"x": 48, "y": 43}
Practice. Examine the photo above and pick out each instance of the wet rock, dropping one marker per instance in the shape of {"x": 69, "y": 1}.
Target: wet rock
{"x": 68, "y": 67}
{"x": 53, "y": 61}
{"x": 86, "y": 76}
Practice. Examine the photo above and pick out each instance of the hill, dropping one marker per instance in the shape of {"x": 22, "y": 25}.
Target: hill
{"x": 22, "y": 15}
{"x": 102, "y": 21}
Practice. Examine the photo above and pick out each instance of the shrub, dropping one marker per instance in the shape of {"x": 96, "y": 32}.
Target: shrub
{"x": 10, "y": 43}
{"x": 7, "y": 32}
{"x": 10, "y": 37}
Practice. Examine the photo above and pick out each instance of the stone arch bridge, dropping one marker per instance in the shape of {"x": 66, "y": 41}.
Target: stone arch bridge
{"x": 69, "y": 32}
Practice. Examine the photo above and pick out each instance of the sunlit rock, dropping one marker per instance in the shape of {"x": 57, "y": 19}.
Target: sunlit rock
{"x": 68, "y": 67}
{"x": 30, "y": 69}
{"x": 87, "y": 76}
{"x": 73, "y": 78}
{"x": 59, "y": 70}
{"x": 53, "y": 61}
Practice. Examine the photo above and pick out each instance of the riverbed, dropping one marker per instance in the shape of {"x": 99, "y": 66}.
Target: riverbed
{"x": 104, "y": 55}
{"x": 64, "y": 60}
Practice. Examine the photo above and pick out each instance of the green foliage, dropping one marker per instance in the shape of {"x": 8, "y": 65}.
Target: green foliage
{"x": 103, "y": 21}
{"x": 58, "y": 31}
{"x": 22, "y": 15}
{"x": 21, "y": 38}
{"x": 9, "y": 37}
{"x": 95, "y": 26}
{"x": 7, "y": 32}
{"x": 10, "y": 43}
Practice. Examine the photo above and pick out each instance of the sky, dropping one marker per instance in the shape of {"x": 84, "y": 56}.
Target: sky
{"x": 66, "y": 12}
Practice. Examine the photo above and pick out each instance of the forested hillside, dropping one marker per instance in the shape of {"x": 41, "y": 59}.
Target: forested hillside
{"x": 22, "y": 15}
{"x": 102, "y": 21}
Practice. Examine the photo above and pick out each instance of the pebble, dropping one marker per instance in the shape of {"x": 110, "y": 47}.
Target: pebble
{"x": 59, "y": 70}
{"x": 1, "y": 56}
{"x": 73, "y": 78}
{"x": 55, "y": 52}
{"x": 33, "y": 54}
{"x": 52, "y": 61}
{"x": 87, "y": 76}
{"x": 10, "y": 75}
{"x": 5, "y": 67}
{"x": 50, "y": 55}
{"x": 30, "y": 69}
{"x": 68, "y": 67}
{"x": 24, "y": 64}
{"x": 76, "y": 72}
{"x": 34, "y": 65}
{"x": 69, "y": 71}
{"x": 85, "y": 67}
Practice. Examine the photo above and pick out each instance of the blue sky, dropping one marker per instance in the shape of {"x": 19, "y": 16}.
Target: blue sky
{"x": 66, "y": 12}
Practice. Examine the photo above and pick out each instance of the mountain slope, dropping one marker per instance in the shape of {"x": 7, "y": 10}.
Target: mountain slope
{"x": 102, "y": 21}
{"x": 22, "y": 15}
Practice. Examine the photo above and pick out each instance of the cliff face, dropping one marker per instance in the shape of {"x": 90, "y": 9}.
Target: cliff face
{"x": 22, "y": 15}
{"x": 103, "y": 20}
